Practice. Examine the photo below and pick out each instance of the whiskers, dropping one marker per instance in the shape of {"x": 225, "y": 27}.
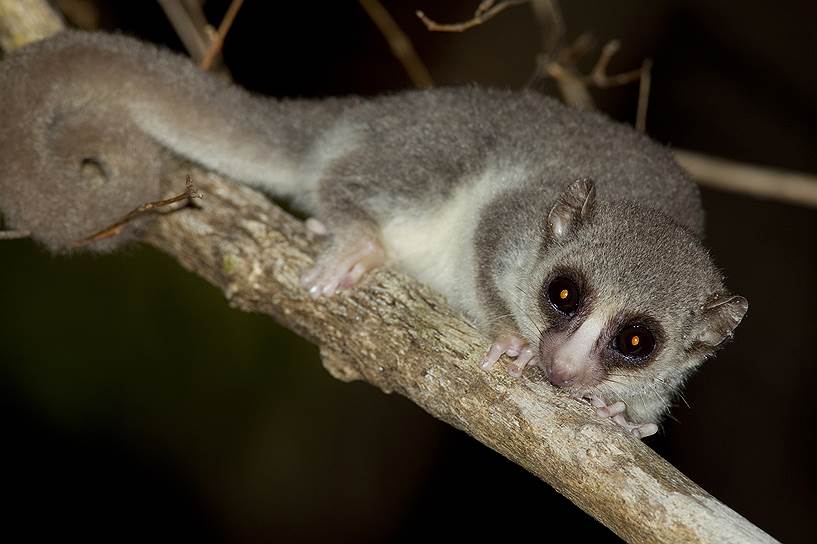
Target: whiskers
{"x": 524, "y": 311}
{"x": 647, "y": 385}
{"x": 493, "y": 319}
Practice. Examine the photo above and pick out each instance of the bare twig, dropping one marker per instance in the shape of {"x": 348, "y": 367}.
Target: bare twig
{"x": 400, "y": 44}
{"x": 644, "y": 83}
{"x": 24, "y": 21}
{"x": 218, "y": 41}
{"x": 190, "y": 25}
{"x": 758, "y": 181}
{"x": 572, "y": 86}
{"x": 560, "y": 65}
{"x": 114, "y": 229}
{"x": 14, "y": 234}
{"x": 599, "y": 76}
{"x": 551, "y": 25}
{"x": 486, "y": 10}
{"x": 572, "y": 53}
{"x": 564, "y": 72}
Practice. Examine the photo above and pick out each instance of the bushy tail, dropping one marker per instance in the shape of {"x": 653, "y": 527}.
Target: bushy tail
{"x": 88, "y": 119}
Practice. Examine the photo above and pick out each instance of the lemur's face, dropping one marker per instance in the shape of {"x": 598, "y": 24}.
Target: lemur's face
{"x": 627, "y": 298}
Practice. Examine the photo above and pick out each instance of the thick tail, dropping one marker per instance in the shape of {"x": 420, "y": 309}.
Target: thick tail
{"x": 88, "y": 119}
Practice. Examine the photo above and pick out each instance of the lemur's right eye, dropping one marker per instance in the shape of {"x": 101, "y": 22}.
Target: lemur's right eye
{"x": 634, "y": 341}
{"x": 564, "y": 295}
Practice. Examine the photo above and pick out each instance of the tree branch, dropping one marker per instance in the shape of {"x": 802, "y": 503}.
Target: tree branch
{"x": 218, "y": 40}
{"x": 401, "y": 337}
{"x": 190, "y": 25}
{"x": 754, "y": 180}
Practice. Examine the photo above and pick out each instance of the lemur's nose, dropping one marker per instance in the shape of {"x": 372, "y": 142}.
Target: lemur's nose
{"x": 561, "y": 376}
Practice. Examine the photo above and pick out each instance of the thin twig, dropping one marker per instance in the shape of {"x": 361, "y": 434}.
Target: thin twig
{"x": 488, "y": 9}
{"x": 25, "y": 21}
{"x": 599, "y": 76}
{"x": 218, "y": 40}
{"x": 572, "y": 86}
{"x": 758, "y": 181}
{"x": 114, "y": 229}
{"x": 572, "y": 53}
{"x": 643, "y": 96}
{"x": 14, "y": 234}
{"x": 189, "y": 26}
{"x": 400, "y": 44}
{"x": 551, "y": 24}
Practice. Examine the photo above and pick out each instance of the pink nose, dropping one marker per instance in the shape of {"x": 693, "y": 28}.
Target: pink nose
{"x": 561, "y": 376}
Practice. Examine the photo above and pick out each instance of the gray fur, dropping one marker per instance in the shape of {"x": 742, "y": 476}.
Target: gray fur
{"x": 463, "y": 185}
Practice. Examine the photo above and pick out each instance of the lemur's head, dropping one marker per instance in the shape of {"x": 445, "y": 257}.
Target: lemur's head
{"x": 626, "y": 300}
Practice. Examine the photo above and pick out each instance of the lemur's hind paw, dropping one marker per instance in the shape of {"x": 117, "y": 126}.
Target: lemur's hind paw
{"x": 513, "y": 347}
{"x": 616, "y": 411}
{"x": 342, "y": 265}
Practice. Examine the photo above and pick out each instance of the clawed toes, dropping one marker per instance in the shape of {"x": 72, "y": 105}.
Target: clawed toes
{"x": 645, "y": 430}
{"x": 326, "y": 281}
{"x": 521, "y": 362}
{"x": 513, "y": 347}
{"x": 318, "y": 284}
{"x": 616, "y": 412}
{"x": 342, "y": 266}
{"x": 613, "y": 410}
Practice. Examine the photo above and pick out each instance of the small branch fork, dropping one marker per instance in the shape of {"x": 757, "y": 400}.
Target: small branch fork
{"x": 559, "y": 63}
{"x": 487, "y": 9}
{"x": 573, "y": 86}
{"x": 218, "y": 40}
{"x": 114, "y": 229}
{"x": 202, "y": 42}
{"x": 190, "y": 24}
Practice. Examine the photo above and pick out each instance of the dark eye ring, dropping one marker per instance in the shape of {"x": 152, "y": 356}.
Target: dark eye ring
{"x": 564, "y": 295}
{"x": 635, "y": 341}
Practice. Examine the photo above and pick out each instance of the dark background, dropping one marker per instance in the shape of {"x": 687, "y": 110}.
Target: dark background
{"x": 134, "y": 403}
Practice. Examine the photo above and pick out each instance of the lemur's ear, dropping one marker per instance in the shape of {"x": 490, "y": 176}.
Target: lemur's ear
{"x": 719, "y": 319}
{"x": 575, "y": 205}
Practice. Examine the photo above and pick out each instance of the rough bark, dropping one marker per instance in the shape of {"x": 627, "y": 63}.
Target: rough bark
{"x": 401, "y": 337}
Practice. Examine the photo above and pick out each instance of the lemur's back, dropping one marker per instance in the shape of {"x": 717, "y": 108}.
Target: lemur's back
{"x": 436, "y": 140}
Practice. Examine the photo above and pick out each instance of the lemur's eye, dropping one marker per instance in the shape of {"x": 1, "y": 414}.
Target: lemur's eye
{"x": 564, "y": 295}
{"x": 634, "y": 341}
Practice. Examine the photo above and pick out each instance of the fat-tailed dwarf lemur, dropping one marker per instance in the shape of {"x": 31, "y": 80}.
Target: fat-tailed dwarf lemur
{"x": 572, "y": 240}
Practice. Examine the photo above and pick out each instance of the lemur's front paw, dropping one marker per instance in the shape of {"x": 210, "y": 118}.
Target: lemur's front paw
{"x": 342, "y": 265}
{"x": 316, "y": 227}
{"x": 616, "y": 411}
{"x": 513, "y": 347}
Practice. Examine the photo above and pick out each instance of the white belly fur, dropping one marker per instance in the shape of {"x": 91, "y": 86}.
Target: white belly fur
{"x": 436, "y": 246}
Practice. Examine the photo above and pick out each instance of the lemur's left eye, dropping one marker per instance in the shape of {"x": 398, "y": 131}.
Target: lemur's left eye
{"x": 564, "y": 295}
{"x": 634, "y": 341}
